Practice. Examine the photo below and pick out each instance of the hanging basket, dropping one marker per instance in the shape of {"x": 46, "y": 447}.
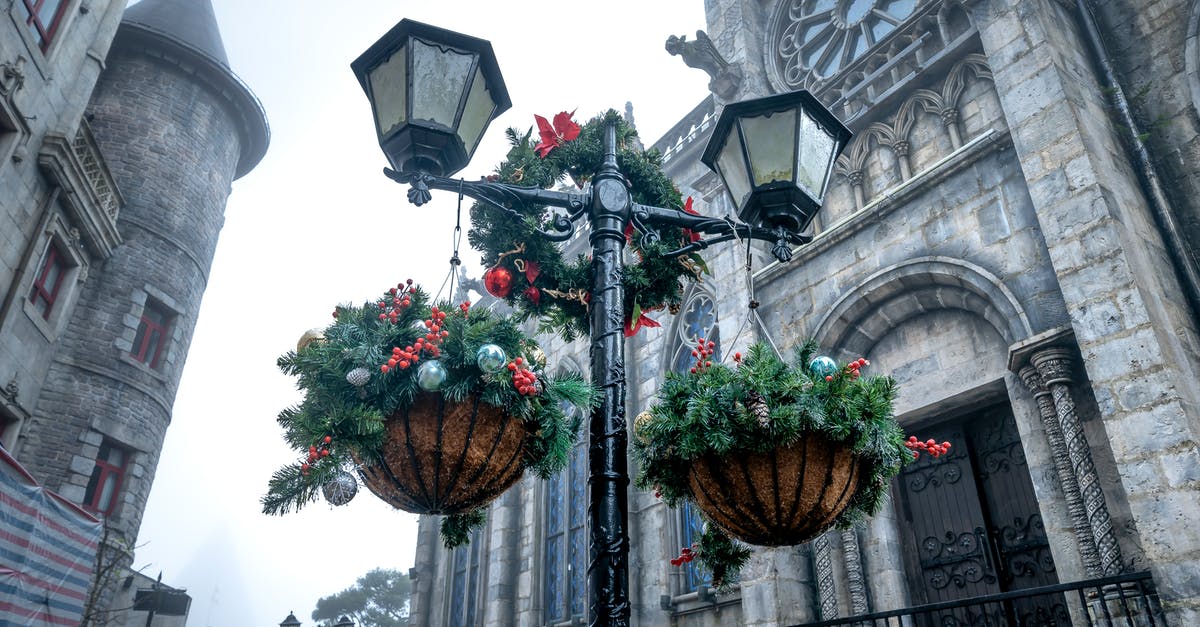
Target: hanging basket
{"x": 446, "y": 458}
{"x": 781, "y": 497}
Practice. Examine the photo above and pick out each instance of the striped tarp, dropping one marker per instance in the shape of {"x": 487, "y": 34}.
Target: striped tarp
{"x": 47, "y": 552}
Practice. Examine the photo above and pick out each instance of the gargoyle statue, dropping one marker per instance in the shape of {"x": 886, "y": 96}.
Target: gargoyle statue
{"x": 725, "y": 78}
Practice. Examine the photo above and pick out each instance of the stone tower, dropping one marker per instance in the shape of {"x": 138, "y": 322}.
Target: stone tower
{"x": 175, "y": 127}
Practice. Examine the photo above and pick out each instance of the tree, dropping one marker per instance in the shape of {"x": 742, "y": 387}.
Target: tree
{"x": 378, "y": 599}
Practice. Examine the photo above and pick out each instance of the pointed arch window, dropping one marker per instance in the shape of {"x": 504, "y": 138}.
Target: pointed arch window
{"x": 565, "y": 567}
{"x": 698, "y": 319}
{"x": 464, "y": 582}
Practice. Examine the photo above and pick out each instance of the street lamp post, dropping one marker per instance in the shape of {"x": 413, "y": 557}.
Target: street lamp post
{"x": 433, "y": 93}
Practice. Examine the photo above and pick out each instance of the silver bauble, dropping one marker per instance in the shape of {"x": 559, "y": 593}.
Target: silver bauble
{"x": 340, "y": 489}
{"x": 431, "y": 375}
{"x": 491, "y": 358}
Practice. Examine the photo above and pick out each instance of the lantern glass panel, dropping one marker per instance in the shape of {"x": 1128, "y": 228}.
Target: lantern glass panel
{"x": 733, "y": 169}
{"x": 477, "y": 113}
{"x": 815, "y": 158}
{"x": 439, "y": 80}
{"x": 389, "y": 92}
{"x": 771, "y": 143}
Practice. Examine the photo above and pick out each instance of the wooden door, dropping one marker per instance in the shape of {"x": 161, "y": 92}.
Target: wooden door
{"x": 973, "y": 522}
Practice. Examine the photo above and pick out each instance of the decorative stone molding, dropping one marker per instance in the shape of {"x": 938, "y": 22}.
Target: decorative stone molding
{"x": 855, "y": 579}
{"x": 89, "y": 189}
{"x": 826, "y": 590}
{"x": 12, "y": 76}
{"x": 1055, "y": 366}
{"x": 1062, "y": 465}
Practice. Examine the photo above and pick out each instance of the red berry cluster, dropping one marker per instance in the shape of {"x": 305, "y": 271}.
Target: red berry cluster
{"x": 929, "y": 446}
{"x": 465, "y": 307}
{"x": 686, "y": 555}
{"x": 409, "y": 355}
{"x": 400, "y": 299}
{"x": 737, "y": 358}
{"x": 523, "y": 378}
{"x": 316, "y": 454}
{"x": 702, "y": 352}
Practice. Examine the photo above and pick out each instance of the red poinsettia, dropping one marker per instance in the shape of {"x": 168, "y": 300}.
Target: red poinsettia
{"x": 563, "y": 130}
{"x": 691, "y": 235}
{"x": 638, "y": 320}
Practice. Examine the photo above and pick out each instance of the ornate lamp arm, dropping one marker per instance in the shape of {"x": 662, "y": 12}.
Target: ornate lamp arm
{"x": 502, "y": 196}
{"x": 647, "y": 218}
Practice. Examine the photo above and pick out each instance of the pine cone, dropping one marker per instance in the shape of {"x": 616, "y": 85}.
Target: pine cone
{"x": 758, "y": 406}
{"x": 358, "y": 377}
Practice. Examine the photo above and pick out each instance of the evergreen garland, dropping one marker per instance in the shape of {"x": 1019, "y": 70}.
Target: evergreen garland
{"x": 713, "y": 410}
{"x": 338, "y": 419}
{"x": 651, "y": 284}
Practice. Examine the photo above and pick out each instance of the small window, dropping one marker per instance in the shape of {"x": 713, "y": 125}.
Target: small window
{"x": 44, "y": 17}
{"x": 48, "y": 285}
{"x": 107, "y": 476}
{"x": 7, "y": 424}
{"x": 152, "y": 334}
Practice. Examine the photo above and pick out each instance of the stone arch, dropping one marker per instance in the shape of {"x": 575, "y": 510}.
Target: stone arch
{"x": 975, "y": 64}
{"x": 897, "y": 293}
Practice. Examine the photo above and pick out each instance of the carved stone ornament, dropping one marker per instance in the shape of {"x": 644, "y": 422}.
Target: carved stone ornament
{"x": 725, "y": 78}
{"x": 12, "y": 77}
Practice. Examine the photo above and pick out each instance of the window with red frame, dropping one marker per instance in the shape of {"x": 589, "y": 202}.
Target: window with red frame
{"x": 152, "y": 334}
{"x": 107, "y": 476}
{"x": 48, "y": 285}
{"x": 44, "y": 19}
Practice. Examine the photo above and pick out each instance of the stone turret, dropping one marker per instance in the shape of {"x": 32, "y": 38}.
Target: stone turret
{"x": 176, "y": 127}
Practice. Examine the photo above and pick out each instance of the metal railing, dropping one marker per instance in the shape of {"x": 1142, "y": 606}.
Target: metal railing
{"x": 1121, "y": 601}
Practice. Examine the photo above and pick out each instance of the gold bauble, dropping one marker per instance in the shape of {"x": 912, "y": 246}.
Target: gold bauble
{"x": 310, "y": 336}
{"x": 536, "y": 356}
{"x": 639, "y": 426}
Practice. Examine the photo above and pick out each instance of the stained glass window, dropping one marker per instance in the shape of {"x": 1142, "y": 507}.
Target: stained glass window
{"x": 698, "y": 320}
{"x": 566, "y": 537}
{"x": 464, "y": 582}
{"x": 816, "y": 39}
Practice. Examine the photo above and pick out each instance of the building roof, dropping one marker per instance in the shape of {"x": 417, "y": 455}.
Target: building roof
{"x": 185, "y": 33}
{"x": 189, "y": 22}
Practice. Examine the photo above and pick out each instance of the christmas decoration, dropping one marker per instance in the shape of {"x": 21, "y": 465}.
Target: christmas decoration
{"x": 560, "y": 300}
{"x": 564, "y": 130}
{"x": 536, "y": 356}
{"x": 490, "y": 358}
{"x": 310, "y": 336}
{"x": 431, "y": 375}
{"x": 498, "y": 281}
{"x": 721, "y": 434}
{"x": 340, "y": 489}
{"x": 822, "y": 366}
{"x": 358, "y": 377}
{"x": 394, "y": 429}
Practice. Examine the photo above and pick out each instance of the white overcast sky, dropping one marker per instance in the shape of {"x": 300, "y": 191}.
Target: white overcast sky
{"x": 315, "y": 224}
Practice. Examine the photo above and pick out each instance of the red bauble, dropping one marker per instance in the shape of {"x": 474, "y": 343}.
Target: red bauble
{"x": 498, "y": 281}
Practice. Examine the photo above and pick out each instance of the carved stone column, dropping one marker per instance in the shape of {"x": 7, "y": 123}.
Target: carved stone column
{"x": 1066, "y": 474}
{"x": 826, "y": 590}
{"x": 950, "y": 121}
{"x": 856, "y": 183}
{"x": 901, "y": 148}
{"x": 1054, "y": 365}
{"x": 859, "y": 603}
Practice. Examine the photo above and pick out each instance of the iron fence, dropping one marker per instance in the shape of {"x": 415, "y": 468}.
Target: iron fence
{"x": 1122, "y": 601}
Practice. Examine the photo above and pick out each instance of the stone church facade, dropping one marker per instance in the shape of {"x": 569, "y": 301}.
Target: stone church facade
{"x": 1012, "y": 235}
{"x": 121, "y": 133}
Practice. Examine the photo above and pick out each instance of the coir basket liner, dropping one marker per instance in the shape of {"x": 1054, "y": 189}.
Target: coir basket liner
{"x": 781, "y": 497}
{"x": 446, "y": 458}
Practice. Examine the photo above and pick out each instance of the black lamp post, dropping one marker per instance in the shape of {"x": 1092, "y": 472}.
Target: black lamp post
{"x": 433, "y": 93}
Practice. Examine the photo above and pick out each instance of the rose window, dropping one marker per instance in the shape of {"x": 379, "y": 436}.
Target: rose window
{"x": 815, "y": 39}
